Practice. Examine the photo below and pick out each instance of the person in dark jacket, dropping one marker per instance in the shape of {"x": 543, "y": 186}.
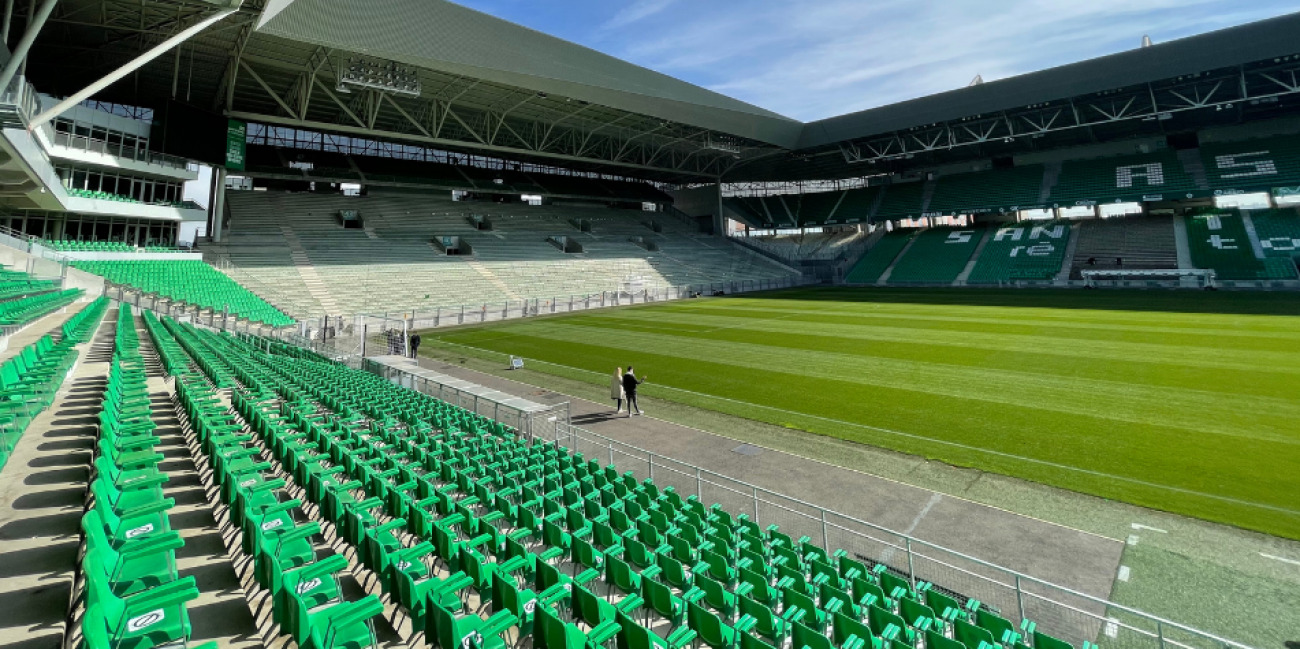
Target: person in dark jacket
{"x": 415, "y": 344}
{"x": 630, "y": 382}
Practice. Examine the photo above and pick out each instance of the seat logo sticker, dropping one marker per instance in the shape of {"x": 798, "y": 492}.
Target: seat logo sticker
{"x": 141, "y": 622}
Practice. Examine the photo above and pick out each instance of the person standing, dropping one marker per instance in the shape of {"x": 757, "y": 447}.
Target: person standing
{"x": 616, "y": 390}
{"x": 630, "y": 382}
{"x": 415, "y": 344}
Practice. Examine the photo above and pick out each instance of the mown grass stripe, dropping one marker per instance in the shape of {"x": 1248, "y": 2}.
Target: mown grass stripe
{"x": 1156, "y": 399}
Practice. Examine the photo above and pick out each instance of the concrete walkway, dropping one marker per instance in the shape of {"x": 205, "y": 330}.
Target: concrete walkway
{"x": 43, "y": 498}
{"x": 1075, "y": 559}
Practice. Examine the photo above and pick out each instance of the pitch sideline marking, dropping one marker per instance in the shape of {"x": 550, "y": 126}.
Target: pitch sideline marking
{"x": 1282, "y": 559}
{"x": 923, "y": 438}
{"x": 1139, "y": 526}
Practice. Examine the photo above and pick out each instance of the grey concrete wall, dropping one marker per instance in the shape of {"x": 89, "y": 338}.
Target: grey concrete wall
{"x": 44, "y": 268}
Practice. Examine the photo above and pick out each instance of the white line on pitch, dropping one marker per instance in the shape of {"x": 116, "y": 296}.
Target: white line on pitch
{"x": 1282, "y": 559}
{"x": 888, "y": 431}
{"x": 1124, "y": 573}
{"x": 1139, "y": 526}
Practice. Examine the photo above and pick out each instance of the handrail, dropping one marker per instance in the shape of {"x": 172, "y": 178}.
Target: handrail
{"x": 95, "y": 145}
{"x": 904, "y": 542}
{"x": 913, "y": 540}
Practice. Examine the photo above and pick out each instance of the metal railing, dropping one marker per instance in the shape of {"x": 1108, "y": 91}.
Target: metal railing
{"x": 530, "y": 420}
{"x": 120, "y": 150}
{"x": 1057, "y": 610}
{"x": 1062, "y": 612}
{"x": 18, "y": 103}
{"x": 427, "y": 317}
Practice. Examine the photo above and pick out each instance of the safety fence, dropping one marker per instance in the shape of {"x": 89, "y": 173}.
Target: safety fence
{"x": 1063, "y": 612}
{"x": 1059, "y": 611}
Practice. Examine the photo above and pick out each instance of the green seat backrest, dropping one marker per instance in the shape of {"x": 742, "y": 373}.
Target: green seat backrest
{"x": 804, "y": 637}
{"x": 970, "y": 635}
{"x": 844, "y": 627}
{"x": 1044, "y": 641}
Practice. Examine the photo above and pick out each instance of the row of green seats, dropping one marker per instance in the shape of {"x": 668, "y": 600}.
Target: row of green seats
{"x": 871, "y": 266}
{"x": 1218, "y": 240}
{"x": 1023, "y": 251}
{"x": 937, "y": 255}
{"x": 30, "y": 379}
{"x": 74, "y": 245}
{"x": 190, "y": 281}
{"x": 469, "y": 487}
{"x": 1132, "y": 177}
{"x": 1260, "y": 164}
{"x": 18, "y": 286}
{"x": 134, "y": 597}
{"x": 304, "y": 589}
{"x": 1278, "y": 231}
{"x": 999, "y": 188}
{"x": 19, "y": 312}
{"x": 119, "y": 198}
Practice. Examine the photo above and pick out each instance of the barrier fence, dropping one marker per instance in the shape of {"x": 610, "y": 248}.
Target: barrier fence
{"x": 1059, "y": 611}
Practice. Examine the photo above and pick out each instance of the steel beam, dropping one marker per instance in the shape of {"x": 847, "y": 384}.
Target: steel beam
{"x": 445, "y": 142}
{"x": 19, "y": 55}
{"x": 135, "y": 64}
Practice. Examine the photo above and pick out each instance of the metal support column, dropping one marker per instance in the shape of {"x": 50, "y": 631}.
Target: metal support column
{"x": 20, "y": 52}
{"x": 218, "y": 202}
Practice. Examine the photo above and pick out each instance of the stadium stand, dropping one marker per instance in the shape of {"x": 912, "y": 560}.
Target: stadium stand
{"x": 18, "y": 312}
{"x": 817, "y": 208}
{"x": 901, "y": 200}
{"x": 192, "y": 282}
{"x": 1024, "y": 251}
{"x": 31, "y": 376}
{"x": 857, "y": 204}
{"x": 393, "y": 265}
{"x": 118, "y": 198}
{"x": 472, "y": 533}
{"x": 1128, "y": 178}
{"x": 937, "y": 256}
{"x": 808, "y": 246}
{"x": 985, "y": 191}
{"x": 1278, "y": 232}
{"x": 1139, "y": 242}
{"x": 1253, "y": 164}
{"x": 18, "y": 284}
{"x": 1218, "y": 240}
{"x": 871, "y": 266}
{"x": 62, "y": 245}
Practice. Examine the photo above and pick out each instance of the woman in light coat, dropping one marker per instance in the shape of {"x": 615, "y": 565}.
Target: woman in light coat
{"x": 616, "y": 389}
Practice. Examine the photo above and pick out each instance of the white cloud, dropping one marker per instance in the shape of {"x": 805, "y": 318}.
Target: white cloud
{"x": 815, "y": 60}
{"x": 635, "y": 13}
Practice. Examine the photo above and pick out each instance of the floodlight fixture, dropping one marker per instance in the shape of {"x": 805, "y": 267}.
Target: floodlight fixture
{"x": 378, "y": 74}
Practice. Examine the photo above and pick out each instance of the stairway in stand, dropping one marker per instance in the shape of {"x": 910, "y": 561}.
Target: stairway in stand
{"x": 311, "y": 278}
{"x": 490, "y": 276}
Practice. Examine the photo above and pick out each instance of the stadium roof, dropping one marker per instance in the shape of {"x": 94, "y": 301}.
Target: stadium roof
{"x": 446, "y": 37}
{"x": 495, "y": 88}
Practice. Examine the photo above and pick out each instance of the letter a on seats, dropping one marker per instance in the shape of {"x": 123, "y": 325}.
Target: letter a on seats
{"x": 1153, "y": 173}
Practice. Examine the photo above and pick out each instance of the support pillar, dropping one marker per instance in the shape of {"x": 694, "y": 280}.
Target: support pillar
{"x": 218, "y": 203}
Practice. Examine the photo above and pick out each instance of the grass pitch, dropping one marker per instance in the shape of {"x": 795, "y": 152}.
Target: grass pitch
{"x": 1185, "y": 402}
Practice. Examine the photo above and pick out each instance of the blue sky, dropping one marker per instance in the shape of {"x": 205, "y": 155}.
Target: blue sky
{"x": 810, "y": 59}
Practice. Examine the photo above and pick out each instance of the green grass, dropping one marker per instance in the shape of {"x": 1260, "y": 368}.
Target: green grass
{"x": 1185, "y": 402}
